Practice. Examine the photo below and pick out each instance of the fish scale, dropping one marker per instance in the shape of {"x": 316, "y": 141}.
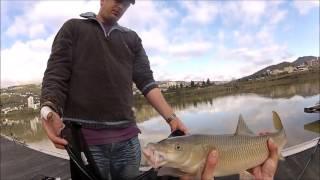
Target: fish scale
{"x": 235, "y": 150}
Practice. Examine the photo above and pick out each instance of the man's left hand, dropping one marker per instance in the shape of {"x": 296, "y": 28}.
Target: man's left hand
{"x": 176, "y": 124}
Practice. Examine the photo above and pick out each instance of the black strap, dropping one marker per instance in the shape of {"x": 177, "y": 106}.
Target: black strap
{"x": 77, "y": 144}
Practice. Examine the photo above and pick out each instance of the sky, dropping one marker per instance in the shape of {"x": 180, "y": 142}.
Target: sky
{"x": 185, "y": 39}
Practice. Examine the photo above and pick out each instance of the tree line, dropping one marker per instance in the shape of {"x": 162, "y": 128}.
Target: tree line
{"x": 193, "y": 84}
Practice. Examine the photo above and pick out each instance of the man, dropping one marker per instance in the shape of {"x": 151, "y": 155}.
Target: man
{"x": 88, "y": 80}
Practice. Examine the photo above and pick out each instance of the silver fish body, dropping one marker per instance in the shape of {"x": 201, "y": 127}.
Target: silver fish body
{"x": 237, "y": 152}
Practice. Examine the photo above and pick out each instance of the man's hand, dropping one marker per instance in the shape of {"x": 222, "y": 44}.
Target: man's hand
{"x": 207, "y": 173}
{"x": 264, "y": 171}
{"x": 176, "y": 124}
{"x": 210, "y": 165}
{"x": 53, "y": 126}
{"x": 269, "y": 167}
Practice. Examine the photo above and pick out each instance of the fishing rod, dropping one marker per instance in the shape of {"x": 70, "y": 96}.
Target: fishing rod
{"x": 78, "y": 163}
{"x": 73, "y": 130}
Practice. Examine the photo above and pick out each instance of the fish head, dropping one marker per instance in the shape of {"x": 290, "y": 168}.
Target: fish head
{"x": 171, "y": 152}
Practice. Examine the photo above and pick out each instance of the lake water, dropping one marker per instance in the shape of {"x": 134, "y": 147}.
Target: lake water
{"x": 209, "y": 115}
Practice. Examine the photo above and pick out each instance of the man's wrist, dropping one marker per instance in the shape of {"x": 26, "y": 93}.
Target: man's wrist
{"x": 46, "y": 112}
{"x": 53, "y": 107}
{"x": 171, "y": 117}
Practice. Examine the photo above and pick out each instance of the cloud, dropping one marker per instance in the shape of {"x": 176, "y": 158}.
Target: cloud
{"x": 154, "y": 40}
{"x": 190, "y": 49}
{"x": 241, "y": 32}
{"x": 25, "y": 62}
{"x": 256, "y": 56}
{"x": 304, "y": 7}
{"x": 251, "y": 13}
{"x": 246, "y": 12}
{"x": 243, "y": 39}
{"x": 200, "y": 12}
{"x": 277, "y": 17}
{"x": 46, "y": 17}
{"x": 146, "y": 15}
{"x": 158, "y": 61}
{"x": 265, "y": 35}
{"x": 156, "y": 32}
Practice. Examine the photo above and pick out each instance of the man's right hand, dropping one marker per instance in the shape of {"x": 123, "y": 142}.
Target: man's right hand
{"x": 53, "y": 126}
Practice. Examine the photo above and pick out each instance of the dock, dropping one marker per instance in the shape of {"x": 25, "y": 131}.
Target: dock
{"x": 20, "y": 162}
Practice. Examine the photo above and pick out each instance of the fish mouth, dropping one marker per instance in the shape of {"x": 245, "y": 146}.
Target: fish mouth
{"x": 154, "y": 157}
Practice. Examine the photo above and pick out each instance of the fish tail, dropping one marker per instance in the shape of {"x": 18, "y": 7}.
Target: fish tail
{"x": 279, "y": 137}
{"x": 277, "y": 121}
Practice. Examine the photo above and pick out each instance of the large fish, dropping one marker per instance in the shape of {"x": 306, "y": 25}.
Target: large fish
{"x": 237, "y": 152}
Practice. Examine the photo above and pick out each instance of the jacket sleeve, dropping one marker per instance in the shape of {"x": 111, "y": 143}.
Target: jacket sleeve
{"x": 56, "y": 78}
{"x": 142, "y": 73}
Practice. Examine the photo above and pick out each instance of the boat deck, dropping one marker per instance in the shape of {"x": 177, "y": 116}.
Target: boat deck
{"x": 20, "y": 162}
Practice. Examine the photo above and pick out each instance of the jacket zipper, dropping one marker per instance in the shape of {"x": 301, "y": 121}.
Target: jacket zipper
{"x": 106, "y": 35}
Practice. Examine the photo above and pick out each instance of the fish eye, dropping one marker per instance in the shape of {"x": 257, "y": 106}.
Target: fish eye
{"x": 178, "y": 147}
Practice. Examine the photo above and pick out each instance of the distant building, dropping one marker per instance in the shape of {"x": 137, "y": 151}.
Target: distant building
{"x": 288, "y": 69}
{"x": 9, "y": 109}
{"x": 36, "y": 106}
{"x": 313, "y": 62}
{"x": 276, "y": 71}
{"x": 268, "y": 71}
{"x": 302, "y": 67}
{"x": 30, "y": 102}
{"x": 166, "y": 84}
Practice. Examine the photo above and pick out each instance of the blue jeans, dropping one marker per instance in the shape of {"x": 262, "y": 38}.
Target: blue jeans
{"x": 117, "y": 161}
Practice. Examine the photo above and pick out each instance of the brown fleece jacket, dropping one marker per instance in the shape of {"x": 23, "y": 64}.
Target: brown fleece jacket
{"x": 90, "y": 73}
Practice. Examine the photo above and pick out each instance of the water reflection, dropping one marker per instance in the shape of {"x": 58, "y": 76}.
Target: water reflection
{"x": 145, "y": 112}
{"x": 210, "y": 114}
{"x": 34, "y": 124}
{"x": 26, "y": 130}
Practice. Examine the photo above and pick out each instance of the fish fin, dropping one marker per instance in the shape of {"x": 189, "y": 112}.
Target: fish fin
{"x": 242, "y": 128}
{"x": 168, "y": 171}
{"x": 245, "y": 175}
{"x": 276, "y": 121}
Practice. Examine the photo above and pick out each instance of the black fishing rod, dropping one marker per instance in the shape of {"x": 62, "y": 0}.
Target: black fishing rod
{"x": 76, "y": 145}
{"x": 80, "y": 165}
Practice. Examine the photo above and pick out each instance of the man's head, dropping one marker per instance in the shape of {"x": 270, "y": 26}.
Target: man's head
{"x": 112, "y": 10}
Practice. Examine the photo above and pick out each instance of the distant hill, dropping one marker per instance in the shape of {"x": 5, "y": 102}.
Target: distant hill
{"x": 302, "y": 60}
{"x": 272, "y": 67}
{"x": 299, "y": 61}
{"x": 23, "y": 89}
